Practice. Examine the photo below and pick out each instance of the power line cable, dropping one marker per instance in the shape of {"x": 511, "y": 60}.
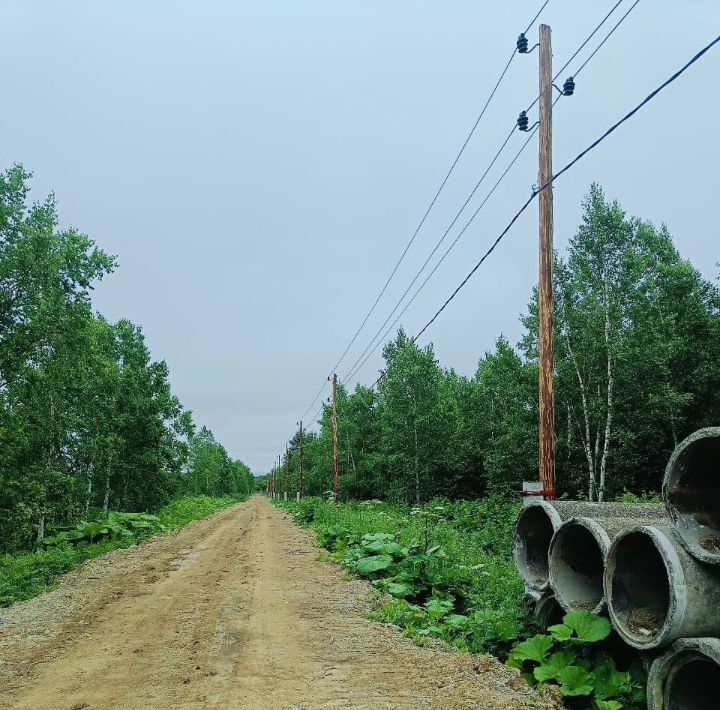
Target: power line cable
{"x": 607, "y": 37}
{"x": 363, "y": 356}
{"x": 439, "y": 190}
{"x": 430, "y": 206}
{"x": 567, "y": 167}
{"x": 372, "y": 345}
{"x": 438, "y": 243}
{"x": 445, "y": 254}
{"x": 532, "y": 22}
{"x": 582, "y": 66}
{"x": 315, "y": 399}
{"x": 579, "y": 49}
{"x": 457, "y": 238}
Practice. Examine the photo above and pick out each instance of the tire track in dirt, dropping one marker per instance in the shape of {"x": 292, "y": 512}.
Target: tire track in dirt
{"x": 234, "y": 611}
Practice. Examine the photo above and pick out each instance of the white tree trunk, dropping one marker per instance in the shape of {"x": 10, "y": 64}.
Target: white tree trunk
{"x": 610, "y": 385}
{"x": 106, "y": 497}
{"x": 417, "y": 469}
{"x": 40, "y": 530}
{"x": 586, "y": 437}
{"x": 88, "y": 493}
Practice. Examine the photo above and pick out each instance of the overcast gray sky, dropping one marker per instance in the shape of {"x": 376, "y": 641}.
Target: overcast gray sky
{"x": 259, "y": 166}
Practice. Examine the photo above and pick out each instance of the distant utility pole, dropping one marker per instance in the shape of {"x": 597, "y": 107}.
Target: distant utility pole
{"x": 546, "y": 354}
{"x": 336, "y": 482}
{"x": 287, "y": 465}
{"x": 301, "y": 486}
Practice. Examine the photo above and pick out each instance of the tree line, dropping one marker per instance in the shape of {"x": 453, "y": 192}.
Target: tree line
{"x": 88, "y": 421}
{"x": 637, "y": 345}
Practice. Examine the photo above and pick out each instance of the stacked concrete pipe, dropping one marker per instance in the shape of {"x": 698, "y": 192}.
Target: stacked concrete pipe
{"x": 661, "y": 576}
{"x": 577, "y": 553}
{"x": 656, "y": 592}
{"x": 540, "y": 519}
{"x": 687, "y": 676}
{"x": 691, "y": 490}
{"x": 662, "y": 583}
{"x": 543, "y": 608}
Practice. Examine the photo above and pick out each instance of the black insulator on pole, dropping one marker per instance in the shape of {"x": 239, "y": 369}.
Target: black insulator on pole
{"x": 522, "y": 121}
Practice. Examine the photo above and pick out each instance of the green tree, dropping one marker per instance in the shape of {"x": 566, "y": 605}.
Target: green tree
{"x": 412, "y": 418}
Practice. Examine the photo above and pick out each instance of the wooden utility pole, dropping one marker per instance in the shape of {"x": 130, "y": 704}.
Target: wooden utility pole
{"x": 287, "y": 466}
{"x": 546, "y": 354}
{"x": 336, "y": 482}
{"x": 301, "y": 486}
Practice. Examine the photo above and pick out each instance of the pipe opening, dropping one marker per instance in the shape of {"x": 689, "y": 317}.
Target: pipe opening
{"x": 576, "y": 567}
{"x": 693, "y": 685}
{"x": 640, "y": 589}
{"x": 548, "y": 612}
{"x": 692, "y": 492}
{"x": 533, "y": 531}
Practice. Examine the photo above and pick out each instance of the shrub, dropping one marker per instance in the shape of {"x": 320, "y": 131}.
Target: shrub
{"x": 569, "y": 656}
{"x": 451, "y": 552}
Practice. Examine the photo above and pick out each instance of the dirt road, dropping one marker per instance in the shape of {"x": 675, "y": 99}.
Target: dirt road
{"x": 234, "y": 611}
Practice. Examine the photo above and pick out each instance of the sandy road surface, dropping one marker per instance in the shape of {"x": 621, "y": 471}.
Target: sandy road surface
{"x": 234, "y": 611}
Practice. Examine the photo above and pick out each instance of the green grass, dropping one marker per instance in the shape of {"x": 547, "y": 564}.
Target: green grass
{"x": 184, "y": 510}
{"x": 24, "y": 575}
{"x": 475, "y": 568}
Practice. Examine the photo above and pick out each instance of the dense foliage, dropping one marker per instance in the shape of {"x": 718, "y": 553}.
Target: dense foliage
{"x": 571, "y": 656}
{"x": 637, "y": 346}
{"x": 88, "y": 422}
{"x": 446, "y": 565}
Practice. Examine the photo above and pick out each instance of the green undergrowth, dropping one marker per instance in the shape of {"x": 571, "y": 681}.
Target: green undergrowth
{"x": 444, "y": 570}
{"x": 24, "y": 575}
{"x": 571, "y": 656}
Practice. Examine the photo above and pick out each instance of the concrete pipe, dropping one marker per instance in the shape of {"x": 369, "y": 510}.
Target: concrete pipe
{"x": 543, "y": 607}
{"x": 576, "y": 558}
{"x": 691, "y": 490}
{"x": 686, "y": 677}
{"x": 656, "y": 592}
{"x": 538, "y": 521}
{"x": 547, "y": 611}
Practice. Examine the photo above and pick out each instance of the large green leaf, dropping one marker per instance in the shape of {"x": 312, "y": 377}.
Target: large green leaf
{"x": 456, "y": 621}
{"x": 581, "y": 627}
{"x": 385, "y": 547}
{"x": 370, "y": 538}
{"x": 575, "y": 680}
{"x": 337, "y": 530}
{"x": 92, "y": 528}
{"x": 368, "y": 565}
{"x": 608, "y": 705}
{"x": 400, "y": 589}
{"x": 560, "y": 632}
{"x": 551, "y": 668}
{"x": 63, "y": 537}
{"x": 534, "y": 649}
{"x": 439, "y": 607}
